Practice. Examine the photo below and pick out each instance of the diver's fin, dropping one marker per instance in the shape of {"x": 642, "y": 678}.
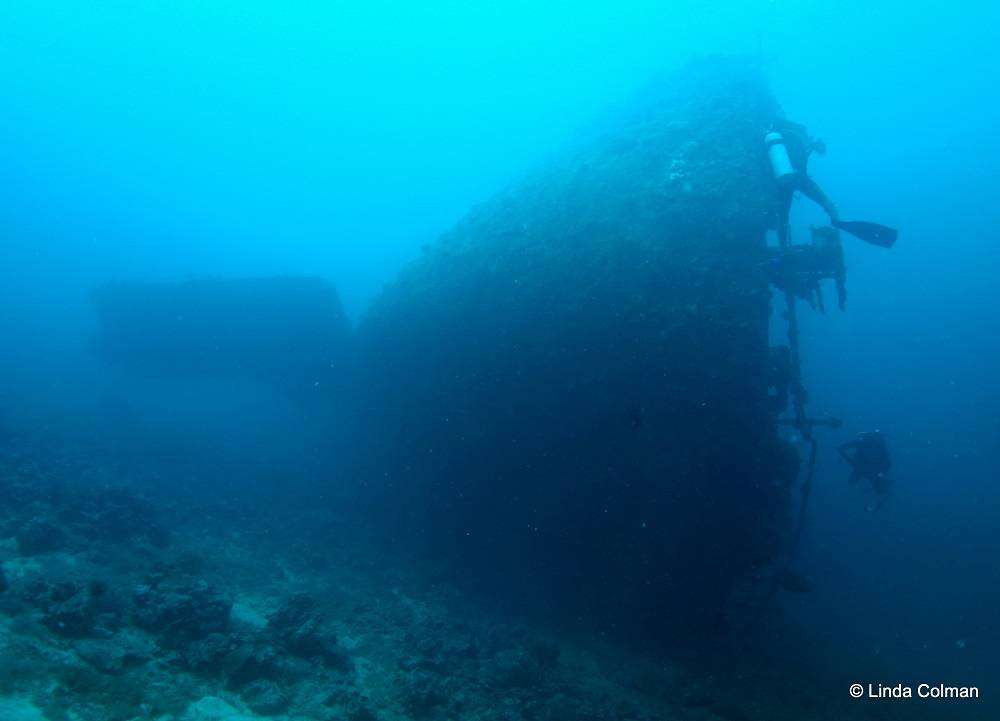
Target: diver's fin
{"x": 880, "y": 235}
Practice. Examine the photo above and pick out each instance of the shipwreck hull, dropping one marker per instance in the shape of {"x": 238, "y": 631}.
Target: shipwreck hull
{"x": 566, "y": 396}
{"x": 564, "y": 399}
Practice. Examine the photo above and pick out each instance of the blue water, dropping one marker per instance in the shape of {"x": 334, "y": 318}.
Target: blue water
{"x": 165, "y": 141}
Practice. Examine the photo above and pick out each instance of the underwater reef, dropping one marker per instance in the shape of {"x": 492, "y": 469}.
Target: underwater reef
{"x": 120, "y": 605}
{"x": 566, "y": 395}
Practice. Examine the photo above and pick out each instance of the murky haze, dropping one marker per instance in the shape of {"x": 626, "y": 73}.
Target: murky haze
{"x": 186, "y": 140}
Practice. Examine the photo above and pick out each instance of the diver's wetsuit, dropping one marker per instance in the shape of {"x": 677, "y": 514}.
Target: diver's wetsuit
{"x": 799, "y": 146}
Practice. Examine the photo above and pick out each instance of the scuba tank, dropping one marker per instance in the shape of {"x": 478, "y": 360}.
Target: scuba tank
{"x": 777, "y": 153}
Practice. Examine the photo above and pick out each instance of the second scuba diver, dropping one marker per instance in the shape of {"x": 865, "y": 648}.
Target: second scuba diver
{"x": 868, "y": 456}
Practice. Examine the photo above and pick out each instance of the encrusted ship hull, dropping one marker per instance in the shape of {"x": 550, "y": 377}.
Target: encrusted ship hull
{"x": 568, "y": 392}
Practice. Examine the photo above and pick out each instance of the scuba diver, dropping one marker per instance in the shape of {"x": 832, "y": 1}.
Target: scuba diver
{"x": 788, "y": 149}
{"x": 868, "y": 456}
